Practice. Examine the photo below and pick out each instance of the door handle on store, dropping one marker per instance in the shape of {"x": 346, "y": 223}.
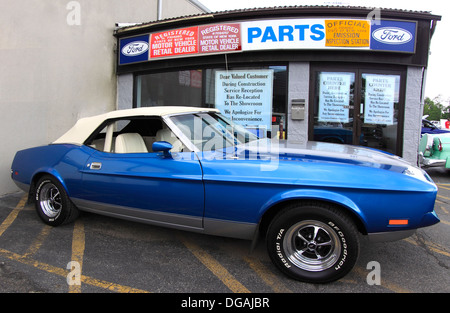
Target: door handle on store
{"x": 95, "y": 166}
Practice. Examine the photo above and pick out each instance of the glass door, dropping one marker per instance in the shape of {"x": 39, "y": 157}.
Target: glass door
{"x": 380, "y": 101}
{"x": 334, "y": 108}
{"x": 358, "y": 106}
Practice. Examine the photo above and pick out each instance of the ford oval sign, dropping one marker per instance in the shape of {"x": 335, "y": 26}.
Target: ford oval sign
{"x": 135, "y": 48}
{"x": 392, "y": 35}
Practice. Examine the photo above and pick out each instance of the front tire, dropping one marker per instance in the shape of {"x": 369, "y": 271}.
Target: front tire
{"x": 52, "y": 202}
{"x": 313, "y": 242}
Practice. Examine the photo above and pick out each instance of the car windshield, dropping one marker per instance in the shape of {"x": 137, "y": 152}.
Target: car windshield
{"x": 212, "y": 131}
{"x": 428, "y": 124}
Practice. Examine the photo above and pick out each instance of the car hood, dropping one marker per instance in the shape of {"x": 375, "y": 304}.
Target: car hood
{"x": 313, "y": 164}
{"x": 322, "y": 152}
{"x": 325, "y": 152}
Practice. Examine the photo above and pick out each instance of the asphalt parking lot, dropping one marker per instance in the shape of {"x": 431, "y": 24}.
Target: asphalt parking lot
{"x": 98, "y": 254}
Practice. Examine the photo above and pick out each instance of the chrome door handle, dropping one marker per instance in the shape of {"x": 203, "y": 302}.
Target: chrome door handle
{"x": 95, "y": 166}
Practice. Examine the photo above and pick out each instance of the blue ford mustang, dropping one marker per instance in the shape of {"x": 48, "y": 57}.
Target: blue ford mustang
{"x": 193, "y": 169}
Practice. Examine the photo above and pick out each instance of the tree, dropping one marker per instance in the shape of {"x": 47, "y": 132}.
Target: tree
{"x": 434, "y": 109}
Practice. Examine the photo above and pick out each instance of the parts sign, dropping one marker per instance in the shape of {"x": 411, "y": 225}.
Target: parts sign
{"x": 278, "y": 34}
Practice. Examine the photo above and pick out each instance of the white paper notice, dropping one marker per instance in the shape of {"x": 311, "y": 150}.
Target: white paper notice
{"x": 334, "y": 97}
{"x": 379, "y": 103}
{"x": 246, "y": 97}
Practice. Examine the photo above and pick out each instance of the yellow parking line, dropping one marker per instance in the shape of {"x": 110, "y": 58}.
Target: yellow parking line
{"x": 267, "y": 276}
{"x": 78, "y": 245}
{"x": 110, "y": 286}
{"x": 62, "y": 272}
{"x": 431, "y": 245}
{"x": 443, "y": 186}
{"x": 77, "y": 253}
{"x": 37, "y": 243}
{"x": 444, "y": 209}
{"x": 216, "y": 268}
{"x": 384, "y": 283}
{"x": 29, "y": 261}
{"x": 443, "y": 197}
{"x": 12, "y": 216}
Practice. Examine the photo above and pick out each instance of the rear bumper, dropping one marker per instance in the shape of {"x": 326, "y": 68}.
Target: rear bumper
{"x": 22, "y": 186}
{"x": 433, "y": 162}
{"x": 427, "y": 162}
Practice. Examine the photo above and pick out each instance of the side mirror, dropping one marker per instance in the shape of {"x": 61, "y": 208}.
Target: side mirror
{"x": 162, "y": 146}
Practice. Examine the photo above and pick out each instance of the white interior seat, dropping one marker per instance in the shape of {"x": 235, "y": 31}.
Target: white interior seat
{"x": 130, "y": 143}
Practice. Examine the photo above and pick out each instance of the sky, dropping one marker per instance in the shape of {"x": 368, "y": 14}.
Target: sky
{"x": 437, "y": 84}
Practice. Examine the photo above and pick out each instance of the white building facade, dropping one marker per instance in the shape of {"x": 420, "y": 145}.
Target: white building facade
{"x": 59, "y": 64}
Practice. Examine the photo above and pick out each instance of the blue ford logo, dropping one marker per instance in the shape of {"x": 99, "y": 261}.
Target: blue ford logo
{"x": 135, "y": 48}
{"x": 392, "y": 35}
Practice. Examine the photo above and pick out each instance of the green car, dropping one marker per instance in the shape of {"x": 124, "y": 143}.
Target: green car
{"x": 434, "y": 150}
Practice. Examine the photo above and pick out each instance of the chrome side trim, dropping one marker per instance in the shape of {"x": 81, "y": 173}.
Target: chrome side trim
{"x": 178, "y": 221}
{"x": 391, "y": 236}
{"x": 231, "y": 229}
{"x": 214, "y": 227}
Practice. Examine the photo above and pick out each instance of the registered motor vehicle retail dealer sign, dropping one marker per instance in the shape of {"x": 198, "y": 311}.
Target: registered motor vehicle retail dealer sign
{"x": 277, "y": 34}
{"x": 197, "y": 40}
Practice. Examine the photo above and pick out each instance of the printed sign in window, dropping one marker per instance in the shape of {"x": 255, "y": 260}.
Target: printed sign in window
{"x": 245, "y": 96}
{"x": 334, "y": 97}
{"x": 379, "y": 99}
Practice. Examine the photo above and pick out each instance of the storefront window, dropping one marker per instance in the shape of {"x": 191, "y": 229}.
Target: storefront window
{"x": 182, "y": 88}
{"x": 333, "y": 121}
{"x": 359, "y": 107}
{"x": 252, "y": 97}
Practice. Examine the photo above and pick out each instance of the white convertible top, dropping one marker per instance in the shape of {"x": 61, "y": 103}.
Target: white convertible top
{"x": 85, "y": 126}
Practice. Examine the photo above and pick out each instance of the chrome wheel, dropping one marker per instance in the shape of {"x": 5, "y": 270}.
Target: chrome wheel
{"x": 52, "y": 203}
{"x": 50, "y": 200}
{"x": 313, "y": 242}
{"x": 312, "y": 245}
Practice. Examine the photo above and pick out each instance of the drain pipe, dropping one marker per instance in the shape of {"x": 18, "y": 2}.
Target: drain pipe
{"x": 159, "y": 10}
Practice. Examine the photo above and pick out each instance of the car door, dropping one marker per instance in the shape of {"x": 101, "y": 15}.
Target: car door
{"x": 146, "y": 186}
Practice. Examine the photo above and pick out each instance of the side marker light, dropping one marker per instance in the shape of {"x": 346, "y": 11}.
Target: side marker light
{"x": 398, "y": 222}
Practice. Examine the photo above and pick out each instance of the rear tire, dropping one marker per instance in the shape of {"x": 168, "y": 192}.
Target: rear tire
{"x": 52, "y": 203}
{"x": 313, "y": 242}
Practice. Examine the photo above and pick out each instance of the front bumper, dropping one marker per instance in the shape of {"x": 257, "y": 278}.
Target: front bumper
{"x": 428, "y": 219}
{"x": 391, "y": 235}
